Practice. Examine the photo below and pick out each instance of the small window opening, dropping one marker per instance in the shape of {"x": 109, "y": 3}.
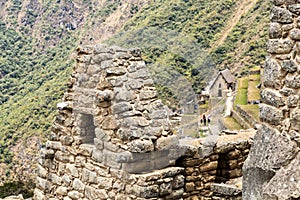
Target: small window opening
{"x": 220, "y": 93}
{"x": 87, "y": 128}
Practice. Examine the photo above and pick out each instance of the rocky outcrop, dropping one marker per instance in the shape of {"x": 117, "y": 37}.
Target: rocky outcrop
{"x": 272, "y": 169}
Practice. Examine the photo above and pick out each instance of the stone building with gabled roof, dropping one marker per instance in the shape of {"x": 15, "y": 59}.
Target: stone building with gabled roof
{"x": 225, "y": 80}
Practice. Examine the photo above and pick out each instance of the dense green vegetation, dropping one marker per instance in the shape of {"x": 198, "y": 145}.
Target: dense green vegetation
{"x": 174, "y": 36}
{"x": 15, "y": 188}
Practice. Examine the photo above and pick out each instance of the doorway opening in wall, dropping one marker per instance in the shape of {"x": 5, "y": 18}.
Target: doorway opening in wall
{"x": 87, "y": 128}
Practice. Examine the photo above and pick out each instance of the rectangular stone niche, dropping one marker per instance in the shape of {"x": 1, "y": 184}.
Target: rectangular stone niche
{"x": 87, "y": 128}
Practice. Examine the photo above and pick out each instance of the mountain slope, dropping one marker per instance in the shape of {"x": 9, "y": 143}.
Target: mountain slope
{"x": 181, "y": 40}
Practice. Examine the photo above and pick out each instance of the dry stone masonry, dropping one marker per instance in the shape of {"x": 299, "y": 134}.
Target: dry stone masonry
{"x": 114, "y": 139}
{"x": 272, "y": 170}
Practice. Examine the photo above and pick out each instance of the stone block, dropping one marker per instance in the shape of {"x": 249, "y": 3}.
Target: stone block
{"x": 189, "y": 187}
{"x": 92, "y": 193}
{"x": 116, "y": 71}
{"x": 89, "y": 176}
{"x": 105, "y": 183}
{"x": 295, "y": 119}
{"x": 264, "y": 151}
{"x": 54, "y": 145}
{"x": 146, "y": 192}
{"x": 55, "y": 179}
{"x": 66, "y": 180}
{"x": 233, "y": 154}
{"x": 138, "y": 167}
{"x": 109, "y": 123}
{"x": 119, "y": 186}
{"x": 292, "y": 101}
{"x": 294, "y": 8}
{"x": 86, "y": 149}
{"x": 271, "y": 73}
{"x": 289, "y": 65}
{"x": 148, "y": 93}
{"x": 38, "y": 195}
{"x": 121, "y": 107}
{"x": 110, "y": 159}
{"x": 42, "y": 172}
{"x": 78, "y": 185}
{"x": 75, "y": 195}
{"x": 281, "y": 15}
{"x": 209, "y": 166}
{"x": 176, "y": 194}
{"x": 62, "y": 191}
{"x": 280, "y": 46}
{"x": 293, "y": 81}
{"x": 275, "y": 30}
{"x": 165, "y": 189}
{"x": 63, "y": 157}
{"x": 43, "y": 184}
{"x": 124, "y": 95}
{"x": 167, "y": 142}
{"x": 270, "y": 114}
{"x": 272, "y": 97}
{"x": 178, "y": 182}
{"x": 140, "y": 146}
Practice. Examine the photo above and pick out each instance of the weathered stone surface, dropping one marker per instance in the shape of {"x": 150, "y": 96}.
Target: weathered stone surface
{"x": 140, "y": 146}
{"x": 281, "y": 15}
{"x": 264, "y": 152}
{"x": 75, "y": 195}
{"x": 295, "y": 119}
{"x": 280, "y": 46}
{"x": 61, "y": 191}
{"x": 293, "y": 81}
{"x": 286, "y": 183}
{"x": 275, "y": 30}
{"x": 289, "y": 65}
{"x": 294, "y": 8}
{"x": 78, "y": 185}
{"x": 272, "y": 97}
{"x": 292, "y": 101}
{"x": 271, "y": 73}
{"x": 270, "y": 114}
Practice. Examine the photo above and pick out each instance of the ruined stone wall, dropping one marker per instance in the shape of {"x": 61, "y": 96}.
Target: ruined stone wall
{"x": 220, "y": 163}
{"x": 113, "y": 138}
{"x": 272, "y": 170}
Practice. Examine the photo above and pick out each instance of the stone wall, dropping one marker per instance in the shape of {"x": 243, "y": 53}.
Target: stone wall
{"x": 114, "y": 139}
{"x": 215, "y": 163}
{"x": 272, "y": 168}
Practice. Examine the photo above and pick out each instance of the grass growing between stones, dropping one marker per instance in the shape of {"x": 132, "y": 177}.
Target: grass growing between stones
{"x": 232, "y": 124}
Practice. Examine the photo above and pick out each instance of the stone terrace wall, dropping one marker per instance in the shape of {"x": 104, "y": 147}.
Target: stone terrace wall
{"x": 272, "y": 169}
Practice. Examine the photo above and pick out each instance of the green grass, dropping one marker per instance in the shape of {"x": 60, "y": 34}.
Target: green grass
{"x": 253, "y": 91}
{"x": 232, "y": 124}
{"x": 252, "y": 109}
{"x": 241, "y": 94}
{"x": 16, "y": 188}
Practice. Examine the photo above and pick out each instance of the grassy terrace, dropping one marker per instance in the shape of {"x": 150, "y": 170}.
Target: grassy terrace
{"x": 241, "y": 95}
{"x": 232, "y": 124}
{"x": 252, "y": 109}
{"x": 253, "y": 91}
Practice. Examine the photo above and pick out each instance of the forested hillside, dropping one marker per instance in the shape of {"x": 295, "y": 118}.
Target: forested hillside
{"x": 179, "y": 38}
